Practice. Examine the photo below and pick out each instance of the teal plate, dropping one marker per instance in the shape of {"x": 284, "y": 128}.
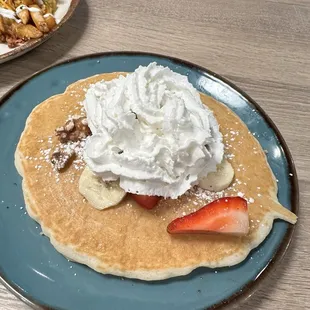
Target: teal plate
{"x": 43, "y": 278}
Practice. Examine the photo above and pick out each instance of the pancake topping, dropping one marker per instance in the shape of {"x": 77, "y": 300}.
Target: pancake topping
{"x": 151, "y": 132}
{"x": 146, "y": 202}
{"x": 71, "y": 137}
{"x": 75, "y": 129}
{"x": 60, "y": 158}
{"x": 227, "y": 215}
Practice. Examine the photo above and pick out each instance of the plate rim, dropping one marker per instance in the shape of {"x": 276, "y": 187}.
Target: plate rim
{"x": 31, "y": 44}
{"x": 251, "y": 287}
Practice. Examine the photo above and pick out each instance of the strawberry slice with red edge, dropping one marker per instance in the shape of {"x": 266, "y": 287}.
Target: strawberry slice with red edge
{"x": 146, "y": 202}
{"x": 228, "y": 215}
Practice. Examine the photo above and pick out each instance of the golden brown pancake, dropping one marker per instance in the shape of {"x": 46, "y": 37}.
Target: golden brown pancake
{"x": 128, "y": 240}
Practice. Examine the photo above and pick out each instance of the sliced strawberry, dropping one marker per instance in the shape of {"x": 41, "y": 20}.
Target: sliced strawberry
{"x": 146, "y": 202}
{"x": 228, "y": 215}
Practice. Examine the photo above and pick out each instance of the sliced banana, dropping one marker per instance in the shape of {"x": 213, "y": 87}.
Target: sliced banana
{"x": 100, "y": 194}
{"x": 219, "y": 180}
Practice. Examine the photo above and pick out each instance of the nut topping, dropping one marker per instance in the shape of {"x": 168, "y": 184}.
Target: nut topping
{"x": 61, "y": 157}
{"x": 74, "y": 130}
{"x": 71, "y": 137}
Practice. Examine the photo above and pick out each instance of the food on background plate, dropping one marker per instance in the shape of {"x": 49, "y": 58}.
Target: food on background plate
{"x": 22, "y": 20}
{"x": 139, "y": 175}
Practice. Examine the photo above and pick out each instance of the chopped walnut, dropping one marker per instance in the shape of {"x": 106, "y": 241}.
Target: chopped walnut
{"x": 61, "y": 157}
{"x": 74, "y": 130}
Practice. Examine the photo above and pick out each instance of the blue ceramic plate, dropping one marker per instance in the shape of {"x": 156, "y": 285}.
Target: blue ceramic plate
{"x": 33, "y": 270}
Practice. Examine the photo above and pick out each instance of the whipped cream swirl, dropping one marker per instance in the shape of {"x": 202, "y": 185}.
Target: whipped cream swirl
{"x": 151, "y": 131}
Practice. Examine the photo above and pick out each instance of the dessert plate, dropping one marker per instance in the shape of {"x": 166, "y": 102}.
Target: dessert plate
{"x": 33, "y": 270}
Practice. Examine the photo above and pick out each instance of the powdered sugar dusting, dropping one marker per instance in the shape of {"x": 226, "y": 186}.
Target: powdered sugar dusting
{"x": 198, "y": 197}
{"x": 72, "y": 149}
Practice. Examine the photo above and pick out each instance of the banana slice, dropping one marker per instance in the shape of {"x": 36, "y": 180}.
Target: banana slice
{"x": 100, "y": 194}
{"x": 219, "y": 180}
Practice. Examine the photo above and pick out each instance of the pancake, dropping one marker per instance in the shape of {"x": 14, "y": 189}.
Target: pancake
{"x": 128, "y": 240}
